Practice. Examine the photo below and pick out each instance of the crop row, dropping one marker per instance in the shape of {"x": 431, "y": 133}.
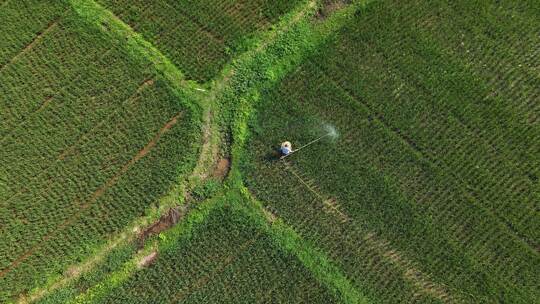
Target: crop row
{"x": 340, "y": 233}
{"x": 199, "y": 36}
{"x": 92, "y": 140}
{"x": 226, "y": 259}
{"x": 350, "y": 175}
{"x": 15, "y": 36}
{"x": 486, "y": 63}
{"x": 401, "y": 168}
{"x": 500, "y": 43}
{"x": 423, "y": 107}
{"x": 495, "y": 148}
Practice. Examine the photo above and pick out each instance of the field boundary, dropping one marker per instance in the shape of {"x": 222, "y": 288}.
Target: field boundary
{"x": 100, "y": 18}
{"x": 229, "y": 106}
{"x": 257, "y": 74}
{"x": 180, "y": 231}
{"x": 313, "y": 259}
{"x": 110, "y": 24}
{"x": 419, "y": 280}
{"x": 210, "y": 135}
{"x": 95, "y": 195}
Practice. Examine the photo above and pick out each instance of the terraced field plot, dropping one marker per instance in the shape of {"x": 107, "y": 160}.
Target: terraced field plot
{"x": 227, "y": 259}
{"x": 430, "y": 191}
{"x": 200, "y": 37}
{"x": 90, "y": 140}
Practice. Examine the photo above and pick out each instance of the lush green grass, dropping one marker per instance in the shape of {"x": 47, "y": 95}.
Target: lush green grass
{"x": 91, "y": 139}
{"x": 226, "y": 259}
{"x": 428, "y": 194}
{"x": 200, "y": 37}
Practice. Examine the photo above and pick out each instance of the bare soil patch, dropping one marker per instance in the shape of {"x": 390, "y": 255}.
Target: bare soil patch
{"x": 222, "y": 168}
{"x": 147, "y": 260}
{"x": 166, "y": 221}
{"x": 330, "y": 6}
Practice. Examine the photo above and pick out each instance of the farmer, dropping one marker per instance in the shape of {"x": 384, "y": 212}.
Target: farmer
{"x": 286, "y": 148}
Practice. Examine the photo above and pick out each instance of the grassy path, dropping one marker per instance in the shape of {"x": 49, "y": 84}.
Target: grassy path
{"x": 97, "y": 16}
{"x": 311, "y": 257}
{"x": 242, "y": 79}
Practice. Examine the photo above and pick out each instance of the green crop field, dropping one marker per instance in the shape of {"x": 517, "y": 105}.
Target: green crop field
{"x": 216, "y": 265}
{"x": 140, "y": 151}
{"x": 199, "y": 36}
{"x": 90, "y": 138}
{"x": 430, "y": 189}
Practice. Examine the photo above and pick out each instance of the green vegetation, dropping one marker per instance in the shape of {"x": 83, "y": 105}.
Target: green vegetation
{"x": 400, "y": 199}
{"x": 200, "y": 37}
{"x": 113, "y": 261}
{"x": 91, "y": 139}
{"x": 216, "y": 264}
{"x": 223, "y": 252}
{"x": 426, "y": 193}
{"x": 16, "y": 35}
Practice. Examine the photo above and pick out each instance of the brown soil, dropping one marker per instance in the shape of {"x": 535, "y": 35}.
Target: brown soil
{"x": 222, "y": 168}
{"x": 329, "y": 7}
{"x": 147, "y": 260}
{"x": 167, "y": 220}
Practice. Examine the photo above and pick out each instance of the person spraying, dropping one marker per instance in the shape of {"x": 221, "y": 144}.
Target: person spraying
{"x": 286, "y": 148}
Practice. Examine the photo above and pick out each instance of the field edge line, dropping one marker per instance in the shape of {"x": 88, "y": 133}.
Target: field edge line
{"x": 118, "y": 277}
{"x": 310, "y": 256}
{"x": 109, "y": 24}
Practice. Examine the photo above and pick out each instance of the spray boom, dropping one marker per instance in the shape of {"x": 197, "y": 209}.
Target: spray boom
{"x": 308, "y": 144}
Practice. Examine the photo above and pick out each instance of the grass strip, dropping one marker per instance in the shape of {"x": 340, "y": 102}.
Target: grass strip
{"x": 168, "y": 240}
{"x": 289, "y": 43}
{"x": 97, "y": 18}
{"x": 255, "y": 73}
{"x": 309, "y": 255}
{"x": 95, "y": 14}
